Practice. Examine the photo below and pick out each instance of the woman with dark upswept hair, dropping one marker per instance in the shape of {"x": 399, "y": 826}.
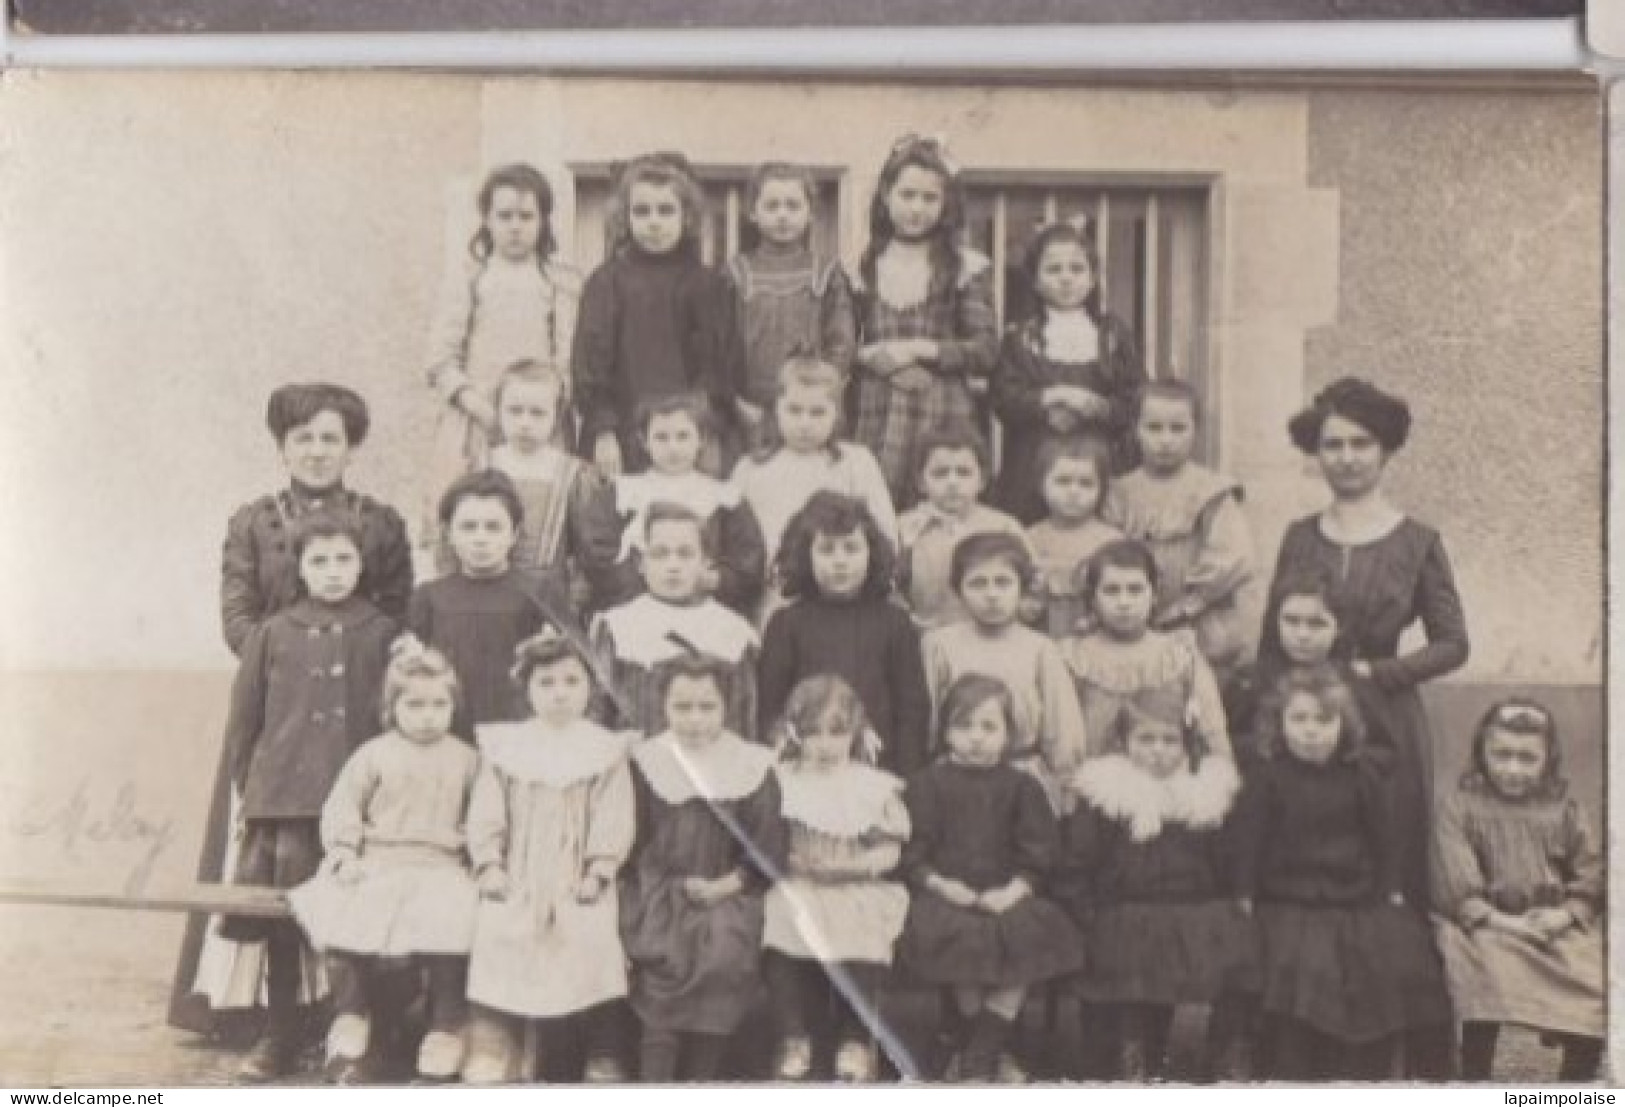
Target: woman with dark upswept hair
{"x": 1392, "y": 571}
{"x": 316, "y": 427}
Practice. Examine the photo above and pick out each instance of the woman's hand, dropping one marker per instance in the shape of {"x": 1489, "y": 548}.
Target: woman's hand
{"x": 1245, "y": 906}
{"x": 956, "y": 892}
{"x": 1361, "y": 669}
{"x": 749, "y": 412}
{"x": 590, "y": 888}
{"x": 996, "y": 901}
{"x": 494, "y": 884}
{"x": 606, "y": 455}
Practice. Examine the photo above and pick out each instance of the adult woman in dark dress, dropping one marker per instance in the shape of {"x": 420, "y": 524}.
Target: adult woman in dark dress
{"x": 316, "y": 427}
{"x": 1393, "y": 572}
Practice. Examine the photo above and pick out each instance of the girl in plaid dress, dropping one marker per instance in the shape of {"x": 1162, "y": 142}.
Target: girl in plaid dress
{"x": 926, "y": 323}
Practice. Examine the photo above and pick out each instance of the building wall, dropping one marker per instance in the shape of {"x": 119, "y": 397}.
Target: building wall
{"x": 217, "y": 235}
{"x": 1471, "y": 281}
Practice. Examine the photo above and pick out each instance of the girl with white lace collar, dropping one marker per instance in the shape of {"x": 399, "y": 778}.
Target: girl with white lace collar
{"x": 550, "y": 824}
{"x": 1150, "y": 883}
{"x": 672, "y": 618}
{"x": 833, "y": 918}
{"x": 710, "y": 837}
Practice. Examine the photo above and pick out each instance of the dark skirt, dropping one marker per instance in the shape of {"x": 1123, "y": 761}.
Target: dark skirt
{"x": 1170, "y": 952}
{"x": 944, "y": 944}
{"x": 694, "y": 968}
{"x": 1356, "y": 973}
{"x": 275, "y": 853}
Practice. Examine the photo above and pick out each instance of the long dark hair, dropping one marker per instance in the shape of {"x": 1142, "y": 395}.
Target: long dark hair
{"x": 927, "y": 154}
{"x": 520, "y": 178}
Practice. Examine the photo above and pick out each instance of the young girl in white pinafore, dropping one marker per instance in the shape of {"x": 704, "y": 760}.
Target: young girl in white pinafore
{"x": 833, "y": 918}
{"x": 1521, "y": 875}
{"x": 550, "y": 824}
{"x": 395, "y": 882}
{"x": 709, "y": 839}
{"x": 510, "y": 300}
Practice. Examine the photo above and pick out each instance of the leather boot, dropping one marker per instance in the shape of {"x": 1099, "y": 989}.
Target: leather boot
{"x": 980, "y": 1061}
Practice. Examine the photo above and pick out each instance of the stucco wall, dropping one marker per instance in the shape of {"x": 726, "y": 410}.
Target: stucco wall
{"x": 193, "y": 240}
{"x": 1471, "y": 281}
{"x": 172, "y": 247}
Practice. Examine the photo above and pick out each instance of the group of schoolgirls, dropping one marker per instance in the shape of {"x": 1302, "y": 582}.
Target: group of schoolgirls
{"x": 709, "y": 699}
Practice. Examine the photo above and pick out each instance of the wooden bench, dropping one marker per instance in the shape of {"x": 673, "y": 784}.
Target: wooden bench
{"x": 211, "y": 899}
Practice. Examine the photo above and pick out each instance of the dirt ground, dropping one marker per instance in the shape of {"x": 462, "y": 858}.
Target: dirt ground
{"x": 86, "y": 993}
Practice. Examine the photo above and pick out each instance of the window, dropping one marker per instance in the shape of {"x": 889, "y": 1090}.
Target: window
{"x": 1153, "y": 259}
{"x": 724, "y": 218}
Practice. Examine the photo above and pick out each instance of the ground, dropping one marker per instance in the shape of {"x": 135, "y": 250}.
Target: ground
{"x": 87, "y": 990}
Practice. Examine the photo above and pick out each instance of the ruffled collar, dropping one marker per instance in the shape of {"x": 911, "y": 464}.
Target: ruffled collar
{"x": 844, "y": 802}
{"x": 648, "y": 631}
{"x": 1155, "y": 660}
{"x": 549, "y": 463}
{"x": 537, "y": 753}
{"x": 1145, "y": 507}
{"x": 730, "y": 768}
{"x": 1123, "y": 792}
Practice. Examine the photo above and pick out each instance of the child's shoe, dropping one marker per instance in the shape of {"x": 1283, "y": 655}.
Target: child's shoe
{"x": 1133, "y": 1064}
{"x": 603, "y": 1068}
{"x": 794, "y": 1060}
{"x": 274, "y": 1055}
{"x": 855, "y": 1062}
{"x": 347, "y": 1042}
{"x": 979, "y": 1063}
{"x": 440, "y": 1057}
{"x": 1010, "y": 1070}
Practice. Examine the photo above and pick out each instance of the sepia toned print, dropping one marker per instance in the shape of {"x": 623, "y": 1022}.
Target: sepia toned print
{"x": 1298, "y": 607}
